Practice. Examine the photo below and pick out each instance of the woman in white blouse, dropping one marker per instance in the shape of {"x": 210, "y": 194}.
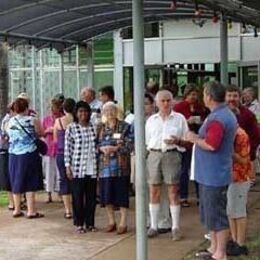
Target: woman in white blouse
{"x": 80, "y": 162}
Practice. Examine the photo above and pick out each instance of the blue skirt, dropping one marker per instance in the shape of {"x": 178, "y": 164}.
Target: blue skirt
{"x": 115, "y": 191}
{"x": 65, "y": 183}
{"x": 25, "y": 172}
{"x": 4, "y": 176}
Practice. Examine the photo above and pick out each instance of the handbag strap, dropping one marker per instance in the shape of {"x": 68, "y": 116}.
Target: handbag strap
{"x": 23, "y": 128}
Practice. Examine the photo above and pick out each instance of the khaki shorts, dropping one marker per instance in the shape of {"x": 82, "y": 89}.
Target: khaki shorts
{"x": 237, "y": 199}
{"x": 164, "y": 167}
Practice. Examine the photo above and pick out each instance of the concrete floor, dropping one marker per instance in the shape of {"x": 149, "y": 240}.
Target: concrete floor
{"x": 53, "y": 237}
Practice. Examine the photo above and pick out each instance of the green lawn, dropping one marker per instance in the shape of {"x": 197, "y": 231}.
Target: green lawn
{"x": 3, "y": 199}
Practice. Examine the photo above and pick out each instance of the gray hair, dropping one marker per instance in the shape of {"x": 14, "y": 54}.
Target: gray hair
{"x": 90, "y": 89}
{"x": 215, "y": 90}
{"x": 163, "y": 93}
{"x": 251, "y": 91}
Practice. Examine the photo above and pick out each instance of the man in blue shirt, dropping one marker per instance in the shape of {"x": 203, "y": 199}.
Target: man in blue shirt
{"x": 213, "y": 153}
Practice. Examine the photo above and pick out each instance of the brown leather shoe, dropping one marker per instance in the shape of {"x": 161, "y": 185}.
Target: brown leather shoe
{"x": 111, "y": 228}
{"x": 121, "y": 230}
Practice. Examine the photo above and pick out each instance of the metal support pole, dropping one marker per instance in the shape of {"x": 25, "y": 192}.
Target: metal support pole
{"x": 34, "y": 72}
{"x": 3, "y": 78}
{"x": 90, "y": 64}
{"x": 258, "y": 78}
{"x": 118, "y": 68}
{"x": 77, "y": 72}
{"x": 61, "y": 89}
{"x": 41, "y": 84}
{"x": 141, "y": 187}
{"x": 223, "y": 51}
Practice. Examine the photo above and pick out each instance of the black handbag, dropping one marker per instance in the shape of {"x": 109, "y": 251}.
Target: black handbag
{"x": 42, "y": 147}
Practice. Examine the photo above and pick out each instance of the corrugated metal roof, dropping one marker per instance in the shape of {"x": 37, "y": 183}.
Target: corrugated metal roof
{"x": 68, "y": 22}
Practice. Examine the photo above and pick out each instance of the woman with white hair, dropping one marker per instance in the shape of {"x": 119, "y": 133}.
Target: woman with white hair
{"x": 115, "y": 144}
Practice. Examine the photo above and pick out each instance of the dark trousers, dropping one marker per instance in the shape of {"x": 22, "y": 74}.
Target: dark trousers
{"x": 184, "y": 176}
{"x": 84, "y": 201}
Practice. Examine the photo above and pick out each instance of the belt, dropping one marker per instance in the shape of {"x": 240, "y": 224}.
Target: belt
{"x": 167, "y": 151}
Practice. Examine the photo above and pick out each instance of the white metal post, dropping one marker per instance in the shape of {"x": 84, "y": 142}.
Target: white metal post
{"x": 223, "y": 51}
{"x": 91, "y": 70}
{"x": 141, "y": 187}
{"x": 41, "y": 83}
{"x": 61, "y": 79}
{"x": 34, "y": 73}
{"x": 118, "y": 68}
{"x": 77, "y": 72}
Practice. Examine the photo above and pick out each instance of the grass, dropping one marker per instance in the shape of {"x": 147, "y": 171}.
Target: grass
{"x": 3, "y": 199}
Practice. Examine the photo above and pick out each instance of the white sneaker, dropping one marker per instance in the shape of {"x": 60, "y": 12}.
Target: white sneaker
{"x": 207, "y": 236}
{"x": 176, "y": 234}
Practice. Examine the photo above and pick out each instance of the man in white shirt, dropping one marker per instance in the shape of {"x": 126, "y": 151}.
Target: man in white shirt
{"x": 88, "y": 95}
{"x": 165, "y": 132}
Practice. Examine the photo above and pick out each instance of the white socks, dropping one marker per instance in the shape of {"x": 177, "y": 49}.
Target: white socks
{"x": 175, "y": 213}
{"x": 154, "y": 212}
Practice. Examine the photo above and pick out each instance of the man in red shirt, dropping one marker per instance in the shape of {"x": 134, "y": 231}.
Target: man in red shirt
{"x": 246, "y": 119}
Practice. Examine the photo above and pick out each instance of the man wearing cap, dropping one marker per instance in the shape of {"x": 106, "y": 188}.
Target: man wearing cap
{"x": 165, "y": 132}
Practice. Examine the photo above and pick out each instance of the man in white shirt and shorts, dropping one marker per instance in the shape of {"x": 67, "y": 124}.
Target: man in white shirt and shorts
{"x": 165, "y": 132}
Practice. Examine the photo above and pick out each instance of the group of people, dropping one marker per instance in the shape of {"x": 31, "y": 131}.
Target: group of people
{"x": 217, "y": 141}
{"x": 86, "y": 140}
{"x": 90, "y": 150}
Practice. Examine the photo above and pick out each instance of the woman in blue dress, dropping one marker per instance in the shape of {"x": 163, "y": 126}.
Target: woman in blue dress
{"x": 25, "y": 165}
{"x": 115, "y": 145}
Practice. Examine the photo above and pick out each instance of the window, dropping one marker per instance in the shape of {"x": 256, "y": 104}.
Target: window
{"x": 151, "y": 30}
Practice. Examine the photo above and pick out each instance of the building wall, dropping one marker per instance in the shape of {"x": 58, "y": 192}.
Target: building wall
{"x": 183, "y": 42}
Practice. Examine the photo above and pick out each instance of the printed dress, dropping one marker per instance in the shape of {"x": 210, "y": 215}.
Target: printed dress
{"x": 114, "y": 169}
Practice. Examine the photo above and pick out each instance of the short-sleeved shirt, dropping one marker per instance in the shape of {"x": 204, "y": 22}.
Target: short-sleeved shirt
{"x": 80, "y": 150}
{"x": 157, "y": 130}
{"x": 19, "y": 141}
{"x": 242, "y": 172}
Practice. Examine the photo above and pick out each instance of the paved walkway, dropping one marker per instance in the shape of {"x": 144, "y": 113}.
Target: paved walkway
{"x": 53, "y": 237}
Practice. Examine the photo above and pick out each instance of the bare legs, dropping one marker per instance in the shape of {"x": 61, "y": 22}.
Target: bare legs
{"x": 218, "y": 244}
{"x": 67, "y": 203}
{"x": 238, "y": 230}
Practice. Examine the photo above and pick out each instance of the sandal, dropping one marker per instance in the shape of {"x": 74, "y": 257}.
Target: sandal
{"x": 111, "y": 228}
{"x": 36, "y": 215}
{"x": 92, "y": 229}
{"x": 10, "y": 208}
{"x": 18, "y": 215}
{"x": 80, "y": 230}
{"x": 203, "y": 253}
{"x": 185, "y": 204}
{"x": 67, "y": 215}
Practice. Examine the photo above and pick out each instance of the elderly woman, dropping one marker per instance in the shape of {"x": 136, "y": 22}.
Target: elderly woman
{"x": 114, "y": 143}
{"x": 25, "y": 169}
{"x": 80, "y": 162}
{"x": 49, "y": 160}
